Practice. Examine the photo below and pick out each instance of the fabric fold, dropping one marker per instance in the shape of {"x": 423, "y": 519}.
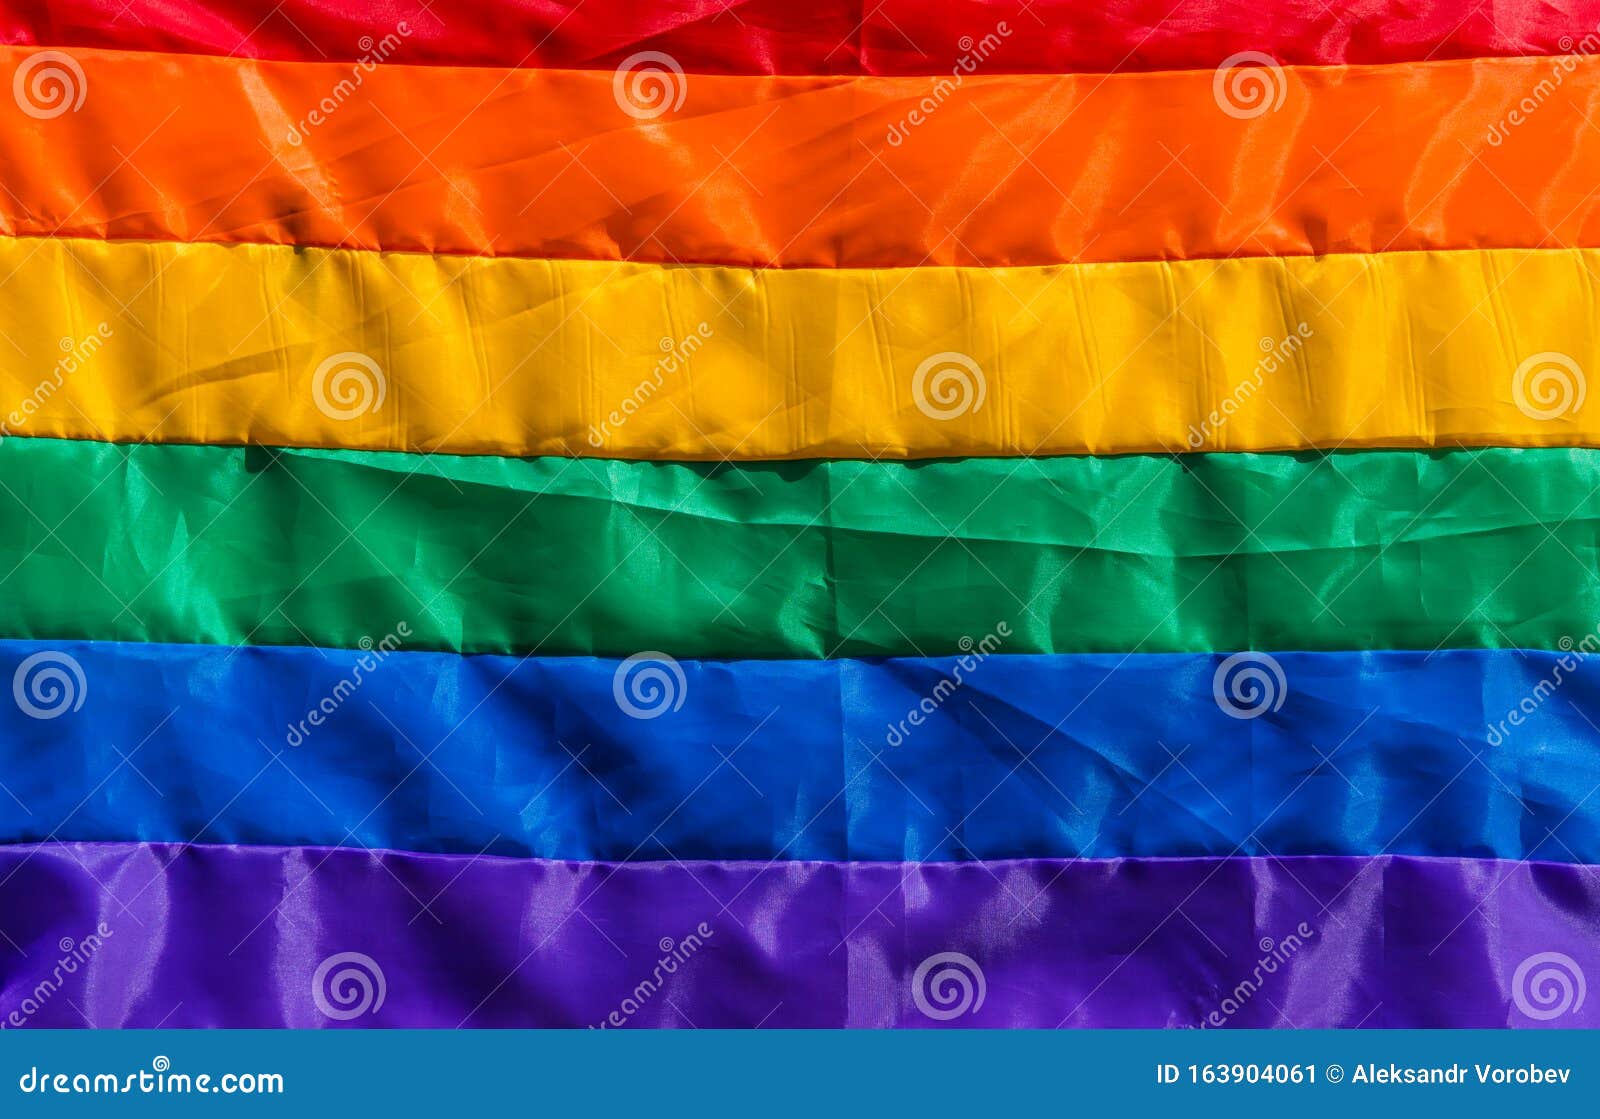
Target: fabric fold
{"x": 166, "y": 342}
{"x": 980, "y": 756}
{"x": 264, "y": 937}
{"x": 826, "y": 36}
{"x": 981, "y": 170}
{"x": 973, "y": 513}
{"x": 1369, "y": 550}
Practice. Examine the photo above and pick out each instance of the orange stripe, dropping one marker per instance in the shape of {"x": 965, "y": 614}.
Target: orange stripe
{"x": 1003, "y": 170}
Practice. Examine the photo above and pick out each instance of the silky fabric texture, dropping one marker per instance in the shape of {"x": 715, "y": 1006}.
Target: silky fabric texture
{"x": 811, "y": 172}
{"x": 1375, "y": 550}
{"x": 235, "y": 937}
{"x": 1007, "y": 757}
{"x": 218, "y": 344}
{"x": 825, "y": 36}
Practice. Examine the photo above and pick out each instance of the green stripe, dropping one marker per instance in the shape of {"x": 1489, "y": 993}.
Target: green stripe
{"x": 1379, "y": 549}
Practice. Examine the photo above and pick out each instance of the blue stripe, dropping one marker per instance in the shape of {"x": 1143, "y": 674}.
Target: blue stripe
{"x": 908, "y": 759}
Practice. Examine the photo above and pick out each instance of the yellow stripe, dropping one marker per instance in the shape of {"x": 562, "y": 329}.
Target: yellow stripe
{"x": 229, "y": 344}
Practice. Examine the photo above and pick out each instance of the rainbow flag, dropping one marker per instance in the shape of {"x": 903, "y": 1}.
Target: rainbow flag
{"x": 970, "y": 513}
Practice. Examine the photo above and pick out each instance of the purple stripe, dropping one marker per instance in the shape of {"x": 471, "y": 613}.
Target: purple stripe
{"x": 132, "y": 935}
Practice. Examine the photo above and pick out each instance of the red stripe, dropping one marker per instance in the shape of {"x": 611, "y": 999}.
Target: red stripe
{"x": 816, "y": 36}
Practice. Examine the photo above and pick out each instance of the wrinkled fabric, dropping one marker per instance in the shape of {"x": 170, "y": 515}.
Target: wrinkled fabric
{"x": 1371, "y": 550}
{"x": 267, "y": 344}
{"x": 355, "y": 349}
{"x": 999, "y": 170}
{"x": 822, "y": 36}
{"x": 302, "y": 937}
{"x": 977, "y": 757}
